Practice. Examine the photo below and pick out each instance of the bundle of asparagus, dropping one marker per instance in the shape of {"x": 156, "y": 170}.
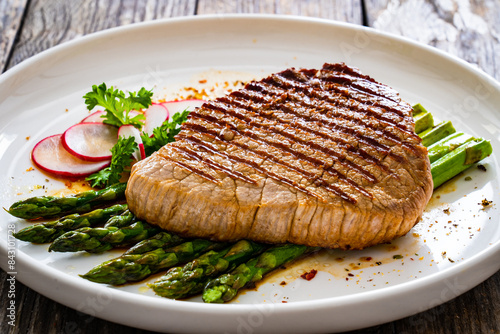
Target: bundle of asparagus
{"x": 219, "y": 269}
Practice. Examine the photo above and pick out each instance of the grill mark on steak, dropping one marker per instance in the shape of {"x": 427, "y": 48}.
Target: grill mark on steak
{"x": 228, "y": 107}
{"x": 360, "y": 93}
{"x": 252, "y": 106}
{"x": 310, "y": 176}
{"x": 359, "y": 85}
{"x": 195, "y": 156}
{"x": 261, "y": 154}
{"x": 347, "y": 94}
{"x": 191, "y": 168}
{"x": 322, "y": 107}
{"x": 205, "y": 145}
{"x": 301, "y": 121}
{"x": 313, "y": 178}
{"x": 205, "y": 131}
{"x": 334, "y": 127}
{"x": 367, "y": 140}
{"x": 350, "y": 93}
{"x": 327, "y": 111}
{"x": 344, "y": 112}
{"x": 318, "y": 163}
{"x": 315, "y": 83}
{"x": 409, "y": 146}
{"x": 343, "y": 106}
{"x": 375, "y": 142}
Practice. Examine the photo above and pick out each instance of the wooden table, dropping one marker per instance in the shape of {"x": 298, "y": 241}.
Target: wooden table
{"x": 467, "y": 29}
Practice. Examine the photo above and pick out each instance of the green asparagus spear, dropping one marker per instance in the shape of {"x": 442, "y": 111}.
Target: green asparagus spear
{"x": 48, "y": 232}
{"x": 51, "y": 206}
{"x": 225, "y": 287}
{"x": 436, "y": 133}
{"x": 446, "y": 145}
{"x": 161, "y": 240}
{"x": 100, "y": 239}
{"x": 459, "y": 160}
{"x": 182, "y": 282}
{"x": 423, "y": 121}
{"x": 418, "y": 108}
{"x": 136, "y": 267}
{"x": 126, "y": 218}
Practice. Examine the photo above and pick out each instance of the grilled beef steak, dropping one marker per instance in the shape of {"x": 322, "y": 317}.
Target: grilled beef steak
{"x": 318, "y": 157}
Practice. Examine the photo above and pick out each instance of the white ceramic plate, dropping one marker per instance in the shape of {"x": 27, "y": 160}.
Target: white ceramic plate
{"x": 445, "y": 255}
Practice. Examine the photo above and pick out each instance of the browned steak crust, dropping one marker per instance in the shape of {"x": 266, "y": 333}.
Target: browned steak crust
{"x": 318, "y": 157}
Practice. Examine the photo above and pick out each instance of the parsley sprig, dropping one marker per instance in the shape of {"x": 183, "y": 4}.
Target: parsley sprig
{"x": 117, "y": 105}
{"x": 121, "y": 158}
{"x": 164, "y": 134}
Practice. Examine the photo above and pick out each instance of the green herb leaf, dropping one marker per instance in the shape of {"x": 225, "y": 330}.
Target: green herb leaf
{"x": 117, "y": 105}
{"x": 121, "y": 158}
{"x": 164, "y": 134}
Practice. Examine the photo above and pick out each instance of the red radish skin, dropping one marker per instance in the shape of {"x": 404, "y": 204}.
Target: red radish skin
{"x": 90, "y": 141}
{"x": 155, "y": 115}
{"x": 50, "y": 156}
{"x": 95, "y": 117}
{"x": 129, "y": 130}
{"x": 174, "y": 107}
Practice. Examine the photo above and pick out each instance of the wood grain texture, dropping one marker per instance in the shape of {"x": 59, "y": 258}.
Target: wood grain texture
{"x": 476, "y": 311}
{"x": 341, "y": 10}
{"x": 11, "y": 14}
{"x": 468, "y": 29}
{"x": 49, "y": 23}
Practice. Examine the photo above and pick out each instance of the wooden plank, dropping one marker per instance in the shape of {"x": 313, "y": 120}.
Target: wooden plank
{"x": 472, "y": 312}
{"x": 12, "y": 12}
{"x": 341, "y": 10}
{"x": 49, "y": 23}
{"x": 467, "y": 29}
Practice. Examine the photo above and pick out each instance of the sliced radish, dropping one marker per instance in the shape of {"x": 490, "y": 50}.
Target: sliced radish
{"x": 50, "y": 156}
{"x": 95, "y": 117}
{"x": 174, "y": 107}
{"x": 155, "y": 115}
{"x": 90, "y": 141}
{"x": 129, "y": 130}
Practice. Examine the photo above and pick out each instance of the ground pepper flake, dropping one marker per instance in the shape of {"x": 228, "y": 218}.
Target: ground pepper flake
{"x": 309, "y": 275}
{"x": 481, "y": 167}
{"x": 485, "y": 203}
